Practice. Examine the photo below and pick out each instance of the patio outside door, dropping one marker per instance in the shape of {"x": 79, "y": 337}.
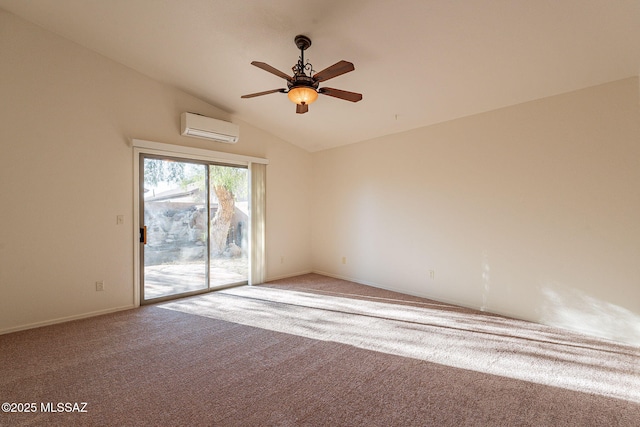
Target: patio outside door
{"x": 194, "y": 218}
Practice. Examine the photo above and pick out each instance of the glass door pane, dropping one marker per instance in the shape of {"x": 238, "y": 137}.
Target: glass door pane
{"x": 229, "y": 204}
{"x": 175, "y": 206}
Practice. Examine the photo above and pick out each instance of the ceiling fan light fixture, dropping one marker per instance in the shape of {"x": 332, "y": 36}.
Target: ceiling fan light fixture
{"x": 302, "y": 95}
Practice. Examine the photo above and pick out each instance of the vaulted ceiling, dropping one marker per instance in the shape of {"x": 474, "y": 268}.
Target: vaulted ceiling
{"x": 418, "y": 62}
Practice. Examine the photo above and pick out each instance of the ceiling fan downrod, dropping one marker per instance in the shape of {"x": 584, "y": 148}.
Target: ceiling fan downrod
{"x": 302, "y": 68}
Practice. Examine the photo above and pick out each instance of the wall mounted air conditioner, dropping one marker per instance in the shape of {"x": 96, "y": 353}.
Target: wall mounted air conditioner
{"x": 199, "y": 126}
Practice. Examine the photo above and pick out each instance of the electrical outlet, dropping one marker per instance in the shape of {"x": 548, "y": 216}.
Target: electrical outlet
{"x": 281, "y": 260}
{"x": 344, "y": 259}
{"x": 100, "y": 285}
{"x": 432, "y": 274}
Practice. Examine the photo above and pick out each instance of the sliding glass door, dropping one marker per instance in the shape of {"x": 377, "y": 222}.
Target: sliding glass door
{"x": 194, "y": 220}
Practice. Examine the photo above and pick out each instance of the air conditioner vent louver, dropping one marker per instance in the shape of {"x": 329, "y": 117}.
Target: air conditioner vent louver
{"x": 198, "y": 126}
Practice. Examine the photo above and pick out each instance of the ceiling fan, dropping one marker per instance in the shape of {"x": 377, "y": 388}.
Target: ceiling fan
{"x": 302, "y": 88}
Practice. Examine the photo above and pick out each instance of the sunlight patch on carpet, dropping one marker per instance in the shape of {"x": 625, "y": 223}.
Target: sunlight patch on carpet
{"x": 439, "y": 334}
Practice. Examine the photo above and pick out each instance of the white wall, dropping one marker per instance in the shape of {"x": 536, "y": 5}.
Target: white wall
{"x": 67, "y": 116}
{"x": 531, "y": 211}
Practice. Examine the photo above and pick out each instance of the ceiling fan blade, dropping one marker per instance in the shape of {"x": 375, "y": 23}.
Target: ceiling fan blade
{"x": 270, "y": 69}
{"x": 335, "y": 70}
{"x": 342, "y": 94}
{"x": 266, "y": 92}
{"x": 302, "y": 108}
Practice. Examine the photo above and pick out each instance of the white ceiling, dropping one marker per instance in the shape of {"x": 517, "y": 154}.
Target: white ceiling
{"x": 418, "y": 62}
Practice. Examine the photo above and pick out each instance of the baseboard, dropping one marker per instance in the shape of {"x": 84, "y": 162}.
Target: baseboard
{"x": 355, "y": 280}
{"x": 414, "y": 294}
{"x": 65, "y": 319}
{"x": 286, "y": 276}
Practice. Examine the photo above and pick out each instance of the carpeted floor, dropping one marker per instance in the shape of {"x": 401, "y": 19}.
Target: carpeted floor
{"x": 315, "y": 351}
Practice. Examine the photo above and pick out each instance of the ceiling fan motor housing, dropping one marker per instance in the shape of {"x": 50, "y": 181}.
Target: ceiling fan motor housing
{"x": 302, "y": 80}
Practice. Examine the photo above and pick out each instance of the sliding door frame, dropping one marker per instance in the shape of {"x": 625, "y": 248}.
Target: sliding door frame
{"x": 142, "y": 147}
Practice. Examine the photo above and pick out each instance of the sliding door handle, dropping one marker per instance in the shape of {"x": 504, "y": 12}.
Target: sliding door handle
{"x": 143, "y": 234}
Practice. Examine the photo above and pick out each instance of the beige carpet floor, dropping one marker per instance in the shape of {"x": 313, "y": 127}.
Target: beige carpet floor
{"x": 316, "y": 351}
